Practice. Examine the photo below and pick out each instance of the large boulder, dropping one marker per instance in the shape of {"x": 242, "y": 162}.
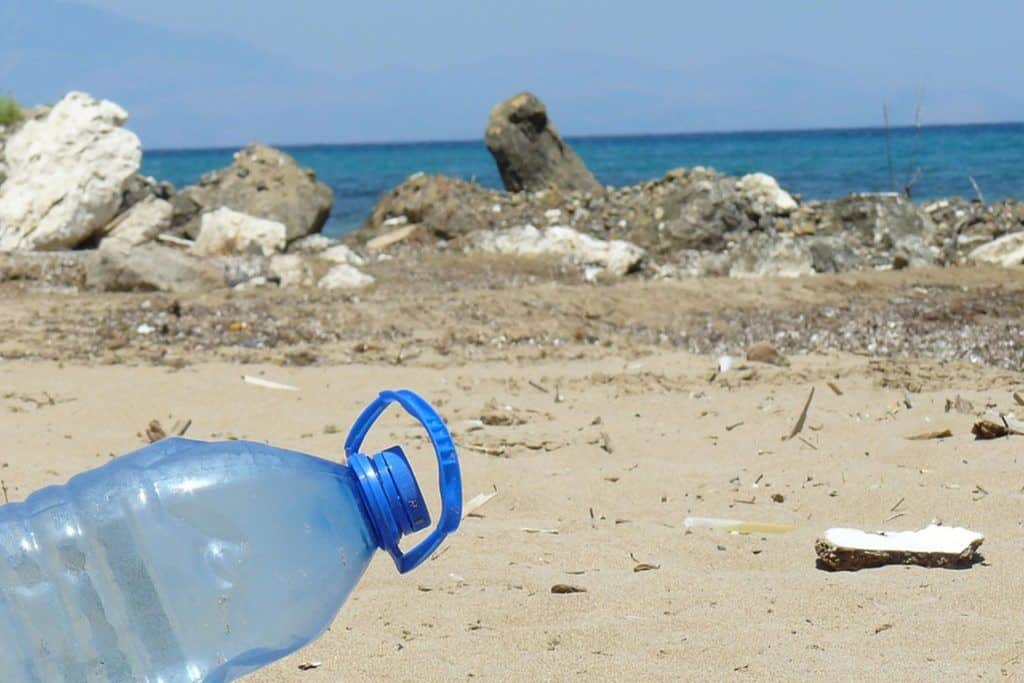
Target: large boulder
{"x": 263, "y": 182}
{"x": 225, "y": 232}
{"x": 530, "y": 153}
{"x": 65, "y": 174}
{"x": 119, "y": 266}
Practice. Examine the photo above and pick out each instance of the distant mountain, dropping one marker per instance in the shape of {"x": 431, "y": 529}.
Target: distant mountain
{"x": 191, "y": 89}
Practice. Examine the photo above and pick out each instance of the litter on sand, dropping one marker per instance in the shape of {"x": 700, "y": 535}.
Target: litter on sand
{"x": 934, "y": 546}
{"x": 987, "y": 429}
{"x": 267, "y": 384}
{"x": 475, "y": 503}
{"x": 737, "y": 525}
{"x": 941, "y": 434}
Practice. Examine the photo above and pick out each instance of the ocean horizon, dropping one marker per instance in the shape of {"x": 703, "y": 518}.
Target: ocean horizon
{"x": 813, "y": 163}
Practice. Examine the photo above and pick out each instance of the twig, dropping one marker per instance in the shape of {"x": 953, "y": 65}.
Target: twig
{"x": 798, "y": 427}
{"x": 913, "y": 152}
{"x": 808, "y": 443}
{"x": 3, "y": 487}
{"x": 977, "y": 190}
{"x": 538, "y": 387}
{"x": 888, "y": 146}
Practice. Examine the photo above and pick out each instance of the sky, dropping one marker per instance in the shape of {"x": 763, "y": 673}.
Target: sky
{"x": 226, "y": 72}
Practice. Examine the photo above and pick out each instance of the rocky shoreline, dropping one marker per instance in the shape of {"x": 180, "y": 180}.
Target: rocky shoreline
{"x": 76, "y": 214}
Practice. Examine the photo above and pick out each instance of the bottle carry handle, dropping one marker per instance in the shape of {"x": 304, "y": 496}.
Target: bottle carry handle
{"x": 449, "y": 475}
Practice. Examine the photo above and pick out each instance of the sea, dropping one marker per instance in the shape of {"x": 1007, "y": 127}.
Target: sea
{"x": 941, "y": 161}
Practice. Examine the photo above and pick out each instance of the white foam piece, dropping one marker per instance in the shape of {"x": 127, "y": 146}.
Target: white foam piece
{"x": 933, "y": 538}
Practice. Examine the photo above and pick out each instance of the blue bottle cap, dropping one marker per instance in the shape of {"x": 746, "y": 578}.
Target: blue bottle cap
{"x": 402, "y": 491}
{"x": 391, "y": 496}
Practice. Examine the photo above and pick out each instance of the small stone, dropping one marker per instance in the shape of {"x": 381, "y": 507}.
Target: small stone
{"x": 764, "y": 352}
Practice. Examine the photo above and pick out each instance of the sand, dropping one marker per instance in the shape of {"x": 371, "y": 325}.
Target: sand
{"x": 643, "y": 437}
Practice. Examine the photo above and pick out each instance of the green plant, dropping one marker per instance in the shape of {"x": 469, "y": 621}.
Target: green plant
{"x": 10, "y": 112}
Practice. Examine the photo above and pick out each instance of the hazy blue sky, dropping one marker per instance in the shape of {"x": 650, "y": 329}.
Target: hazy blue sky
{"x": 229, "y": 71}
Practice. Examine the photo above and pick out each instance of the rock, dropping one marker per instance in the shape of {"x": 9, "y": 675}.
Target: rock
{"x": 883, "y": 224}
{"x": 186, "y": 215}
{"x": 139, "y": 188}
{"x": 246, "y": 270}
{"x": 266, "y": 183}
{"x": 142, "y": 223}
{"x": 342, "y": 254}
{"x": 832, "y": 255}
{"x": 344, "y": 276}
{"x": 530, "y": 153}
{"x": 151, "y": 266}
{"x": 762, "y": 255}
{"x": 292, "y": 270}
{"x": 311, "y": 244}
{"x": 615, "y": 257}
{"x": 226, "y": 231}
{"x": 766, "y": 194}
{"x": 445, "y": 207}
{"x": 1006, "y": 251}
{"x": 700, "y": 209}
{"x": 765, "y": 352}
{"x": 66, "y": 172}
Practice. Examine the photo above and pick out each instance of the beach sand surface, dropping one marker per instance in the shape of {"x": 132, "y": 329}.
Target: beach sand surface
{"x": 637, "y": 442}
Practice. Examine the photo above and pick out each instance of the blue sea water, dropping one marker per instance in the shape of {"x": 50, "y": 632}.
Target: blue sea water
{"x": 817, "y": 164}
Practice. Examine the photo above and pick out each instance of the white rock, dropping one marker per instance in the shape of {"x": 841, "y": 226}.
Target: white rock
{"x": 615, "y": 257}
{"x": 766, "y": 193}
{"x": 141, "y": 223}
{"x": 344, "y": 276}
{"x": 226, "y": 231}
{"x": 65, "y": 174}
{"x": 396, "y": 221}
{"x": 292, "y": 270}
{"x": 553, "y": 215}
{"x": 1007, "y": 251}
{"x": 311, "y": 244}
{"x": 342, "y": 254}
{"x": 783, "y": 256}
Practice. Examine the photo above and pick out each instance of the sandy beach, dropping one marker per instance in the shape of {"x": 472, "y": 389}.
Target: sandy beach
{"x": 594, "y": 487}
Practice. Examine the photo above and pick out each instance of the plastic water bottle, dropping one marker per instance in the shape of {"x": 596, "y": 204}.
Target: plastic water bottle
{"x": 196, "y": 561}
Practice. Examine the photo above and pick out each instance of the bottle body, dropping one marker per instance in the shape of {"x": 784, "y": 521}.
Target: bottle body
{"x": 184, "y": 561}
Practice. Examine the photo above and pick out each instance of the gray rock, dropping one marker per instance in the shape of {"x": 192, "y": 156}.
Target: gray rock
{"x": 246, "y": 269}
{"x": 530, "y": 153}
{"x": 139, "y": 188}
{"x": 832, "y": 255}
{"x": 266, "y": 183}
{"x": 150, "y": 267}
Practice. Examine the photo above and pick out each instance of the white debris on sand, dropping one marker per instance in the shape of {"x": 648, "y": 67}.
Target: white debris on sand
{"x": 933, "y": 546}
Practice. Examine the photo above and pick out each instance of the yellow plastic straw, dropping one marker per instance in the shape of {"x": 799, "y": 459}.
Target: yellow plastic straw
{"x": 737, "y": 525}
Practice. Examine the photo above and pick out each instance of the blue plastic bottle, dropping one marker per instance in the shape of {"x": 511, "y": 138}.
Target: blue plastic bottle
{"x": 195, "y": 561}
